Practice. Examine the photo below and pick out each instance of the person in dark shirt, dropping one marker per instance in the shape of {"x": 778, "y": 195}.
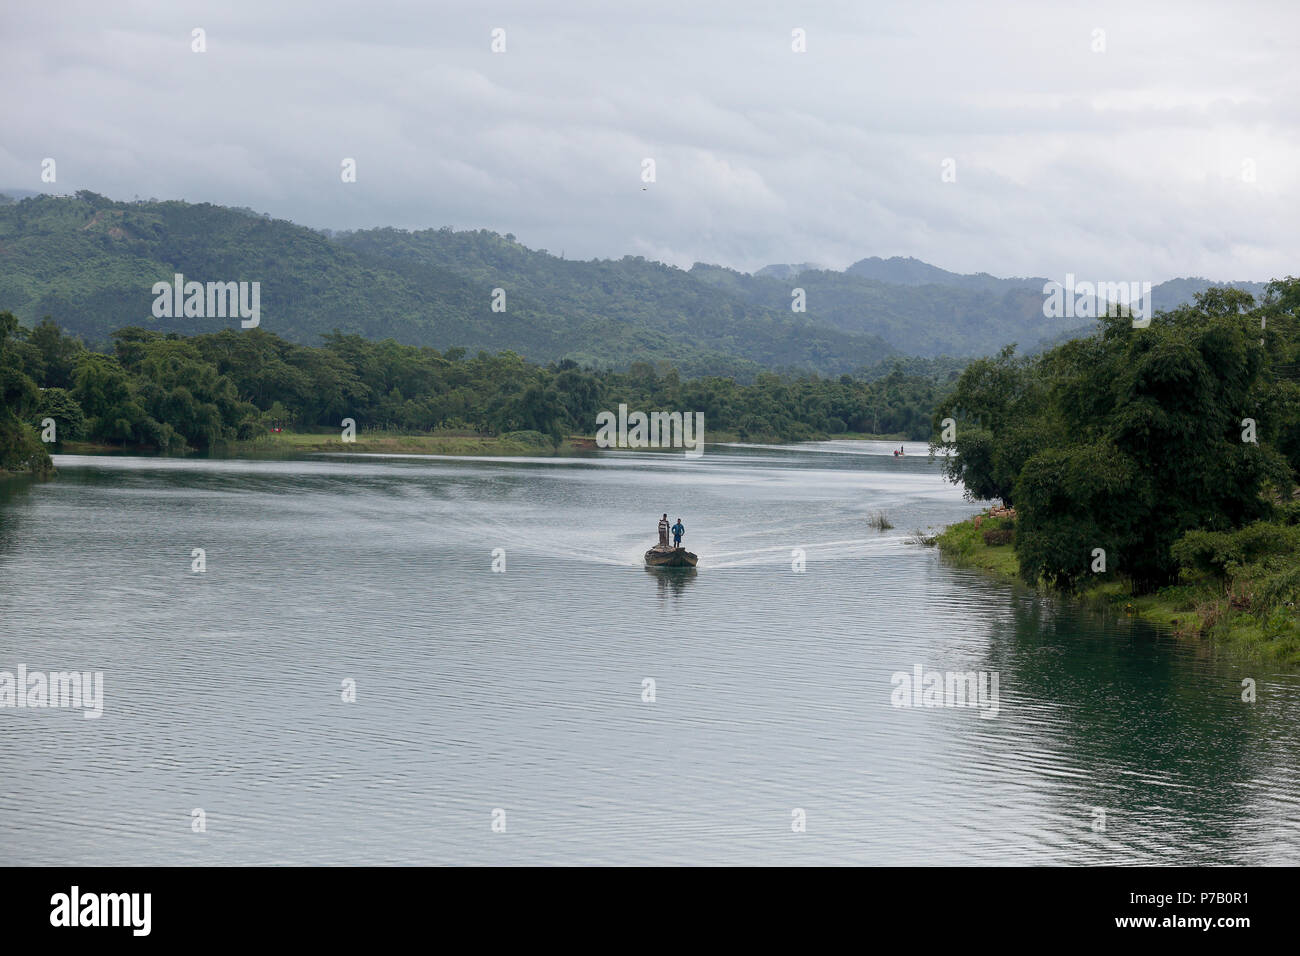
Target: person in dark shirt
{"x": 678, "y": 530}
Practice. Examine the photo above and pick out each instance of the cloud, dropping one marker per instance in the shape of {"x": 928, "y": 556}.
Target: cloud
{"x": 1130, "y": 162}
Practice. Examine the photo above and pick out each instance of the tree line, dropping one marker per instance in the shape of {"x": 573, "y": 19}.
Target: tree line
{"x": 1164, "y": 455}
{"x": 177, "y": 393}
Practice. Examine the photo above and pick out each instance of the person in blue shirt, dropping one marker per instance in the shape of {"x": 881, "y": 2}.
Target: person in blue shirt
{"x": 678, "y": 530}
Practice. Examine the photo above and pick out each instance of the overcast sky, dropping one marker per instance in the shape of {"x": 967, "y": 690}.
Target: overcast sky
{"x": 1132, "y": 163}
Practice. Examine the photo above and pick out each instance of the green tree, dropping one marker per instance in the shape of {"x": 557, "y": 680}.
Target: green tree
{"x": 20, "y": 448}
{"x": 59, "y": 354}
{"x": 997, "y": 413}
{"x": 58, "y": 404}
{"x": 106, "y": 395}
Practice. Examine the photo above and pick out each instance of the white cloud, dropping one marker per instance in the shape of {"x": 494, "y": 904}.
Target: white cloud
{"x": 1104, "y": 164}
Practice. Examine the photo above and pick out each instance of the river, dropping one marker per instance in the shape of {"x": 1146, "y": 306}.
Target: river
{"x": 505, "y": 717}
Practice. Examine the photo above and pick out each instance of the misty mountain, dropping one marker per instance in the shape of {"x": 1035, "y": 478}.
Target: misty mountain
{"x": 91, "y": 263}
{"x": 925, "y": 310}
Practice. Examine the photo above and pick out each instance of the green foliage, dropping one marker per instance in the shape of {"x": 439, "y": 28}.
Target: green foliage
{"x": 57, "y": 355}
{"x": 1224, "y": 553}
{"x": 1068, "y": 503}
{"x": 965, "y": 544}
{"x": 533, "y": 439}
{"x": 179, "y": 387}
{"x": 173, "y": 393}
{"x": 996, "y": 406}
{"x": 107, "y": 397}
{"x": 20, "y": 448}
{"x": 69, "y": 419}
{"x": 91, "y": 263}
{"x": 931, "y": 319}
{"x": 1129, "y": 439}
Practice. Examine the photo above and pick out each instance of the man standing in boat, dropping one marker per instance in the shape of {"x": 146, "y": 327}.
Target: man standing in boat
{"x": 678, "y": 530}
{"x": 663, "y": 531}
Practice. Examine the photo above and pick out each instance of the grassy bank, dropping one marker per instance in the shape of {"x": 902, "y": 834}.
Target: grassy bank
{"x": 292, "y": 443}
{"x": 1202, "y": 609}
{"x": 964, "y": 544}
{"x": 88, "y": 448}
{"x": 434, "y": 443}
{"x": 451, "y": 443}
{"x": 530, "y": 444}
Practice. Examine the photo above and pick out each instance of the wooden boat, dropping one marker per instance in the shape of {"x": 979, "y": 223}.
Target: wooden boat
{"x": 663, "y": 556}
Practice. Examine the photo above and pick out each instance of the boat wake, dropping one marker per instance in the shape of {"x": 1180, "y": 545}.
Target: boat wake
{"x": 629, "y": 553}
{"x": 813, "y": 551}
{"x": 628, "y": 550}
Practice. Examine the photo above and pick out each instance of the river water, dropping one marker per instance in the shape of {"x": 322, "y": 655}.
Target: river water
{"x": 522, "y": 698}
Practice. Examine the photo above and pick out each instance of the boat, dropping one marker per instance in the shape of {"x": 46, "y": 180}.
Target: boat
{"x": 664, "y": 556}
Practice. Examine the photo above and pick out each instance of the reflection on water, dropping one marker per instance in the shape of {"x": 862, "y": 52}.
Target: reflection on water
{"x": 522, "y": 690}
{"x": 12, "y": 491}
{"x": 672, "y": 580}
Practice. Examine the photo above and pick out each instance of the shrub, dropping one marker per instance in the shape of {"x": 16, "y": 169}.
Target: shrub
{"x": 1221, "y": 552}
{"x": 58, "y": 403}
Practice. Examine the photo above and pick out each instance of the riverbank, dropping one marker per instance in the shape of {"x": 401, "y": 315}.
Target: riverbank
{"x": 1199, "y": 609}
{"x": 435, "y": 443}
{"x": 526, "y": 443}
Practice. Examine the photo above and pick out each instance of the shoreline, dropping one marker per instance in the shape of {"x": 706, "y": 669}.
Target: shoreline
{"x": 1196, "y": 610}
{"x": 288, "y": 444}
{"x": 455, "y": 444}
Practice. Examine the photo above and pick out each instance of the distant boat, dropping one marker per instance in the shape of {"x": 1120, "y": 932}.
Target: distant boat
{"x": 662, "y": 556}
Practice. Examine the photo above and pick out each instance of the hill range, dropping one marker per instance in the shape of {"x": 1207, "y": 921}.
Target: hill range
{"x": 91, "y": 262}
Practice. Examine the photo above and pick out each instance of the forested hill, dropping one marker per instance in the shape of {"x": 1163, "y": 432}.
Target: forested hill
{"x": 1166, "y": 296}
{"x": 90, "y": 263}
{"x": 921, "y": 309}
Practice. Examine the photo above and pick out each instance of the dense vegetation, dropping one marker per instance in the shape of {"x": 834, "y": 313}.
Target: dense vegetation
{"x": 1165, "y": 456}
{"x": 919, "y": 320}
{"x": 20, "y": 449}
{"x": 176, "y": 393}
{"x": 91, "y": 262}
{"x": 924, "y": 310}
